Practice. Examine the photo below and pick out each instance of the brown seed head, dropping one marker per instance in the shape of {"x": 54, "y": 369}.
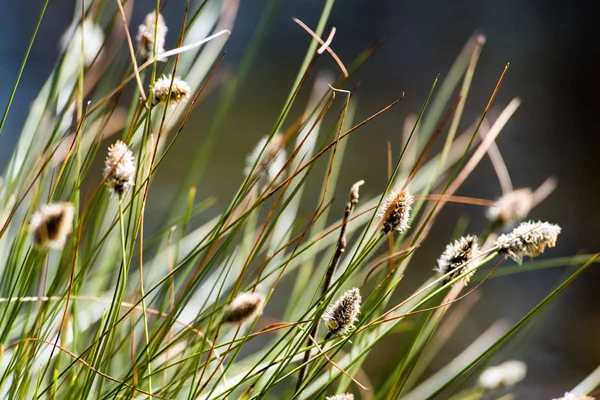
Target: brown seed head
{"x": 395, "y": 211}
{"x": 457, "y": 259}
{"x": 340, "y": 317}
{"x": 354, "y": 192}
{"x": 51, "y": 224}
{"x": 244, "y": 306}
{"x": 119, "y": 168}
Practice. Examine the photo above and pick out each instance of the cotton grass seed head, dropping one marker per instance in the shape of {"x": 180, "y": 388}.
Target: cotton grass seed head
{"x": 119, "y": 168}
{"x": 340, "y": 317}
{"x": 504, "y": 375}
{"x": 245, "y": 306}
{"x": 180, "y": 91}
{"x": 511, "y": 208}
{"x": 272, "y": 160}
{"x": 573, "y": 396}
{"x": 528, "y": 239}
{"x": 152, "y": 30}
{"x": 457, "y": 259}
{"x": 87, "y": 36}
{"x": 51, "y": 224}
{"x": 395, "y": 211}
{"x": 341, "y": 396}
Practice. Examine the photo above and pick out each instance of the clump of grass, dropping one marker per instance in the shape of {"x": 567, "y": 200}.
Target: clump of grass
{"x": 121, "y": 310}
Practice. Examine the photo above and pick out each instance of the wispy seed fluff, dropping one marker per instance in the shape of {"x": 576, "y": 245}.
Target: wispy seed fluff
{"x": 154, "y": 27}
{"x": 457, "y": 259}
{"x": 340, "y": 317}
{"x": 51, "y": 225}
{"x": 395, "y": 211}
{"x": 573, "y": 396}
{"x": 87, "y": 36}
{"x": 244, "y": 306}
{"x": 528, "y": 239}
{"x": 271, "y": 162}
{"x": 180, "y": 91}
{"x": 342, "y": 396}
{"x": 511, "y": 208}
{"x": 119, "y": 168}
{"x": 504, "y": 375}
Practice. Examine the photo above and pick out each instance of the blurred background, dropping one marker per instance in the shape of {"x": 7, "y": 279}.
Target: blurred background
{"x": 552, "y": 48}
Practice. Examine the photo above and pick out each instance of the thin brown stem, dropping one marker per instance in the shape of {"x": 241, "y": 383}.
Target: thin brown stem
{"x": 339, "y": 250}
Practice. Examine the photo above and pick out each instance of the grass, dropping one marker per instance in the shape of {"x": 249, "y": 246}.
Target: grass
{"x": 116, "y": 310}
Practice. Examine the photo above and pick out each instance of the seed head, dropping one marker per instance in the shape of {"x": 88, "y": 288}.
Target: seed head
{"x": 354, "y": 192}
{"x": 573, "y": 396}
{"x": 180, "y": 91}
{"x": 340, "y": 317}
{"x": 119, "y": 168}
{"x": 244, "y": 306}
{"x": 395, "y": 211}
{"x": 87, "y": 36}
{"x": 506, "y": 374}
{"x": 458, "y": 259}
{"x": 511, "y": 208}
{"x": 152, "y": 30}
{"x": 272, "y": 160}
{"x": 528, "y": 239}
{"x": 341, "y": 396}
{"x": 51, "y": 224}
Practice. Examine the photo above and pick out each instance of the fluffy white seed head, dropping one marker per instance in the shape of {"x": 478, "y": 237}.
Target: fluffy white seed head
{"x": 506, "y": 374}
{"x": 87, "y": 36}
{"x": 152, "y": 30}
{"x": 457, "y": 259}
{"x": 341, "y": 396}
{"x": 51, "y": 225}
{"x": 272, "y": 160}
{"x": 180, "y": 91}
{"x": 395, "y": 211}
{"x": 340, "y": 316}
{"x": 511, "y": 208}
{"x": 119, "y": 168}
{"x": 528, "y": 239}
{"x": 245, "y": 306}
{"x": 573, "y": 396}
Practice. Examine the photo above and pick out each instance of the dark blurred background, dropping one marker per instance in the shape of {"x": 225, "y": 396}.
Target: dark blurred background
{"x": 553, "y": 51}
